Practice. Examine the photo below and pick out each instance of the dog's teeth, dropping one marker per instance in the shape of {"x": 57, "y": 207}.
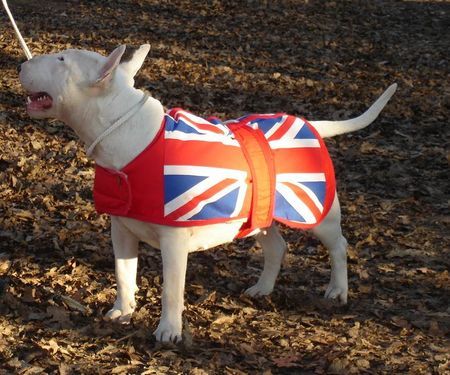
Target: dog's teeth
{"x": 28, "y": 100}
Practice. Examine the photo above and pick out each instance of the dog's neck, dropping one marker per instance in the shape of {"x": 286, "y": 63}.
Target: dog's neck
{"x": 126, "y": 142}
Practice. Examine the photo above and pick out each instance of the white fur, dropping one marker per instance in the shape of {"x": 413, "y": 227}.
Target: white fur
{"x": 332, "y": 128}
{"x": 89, "y": 92}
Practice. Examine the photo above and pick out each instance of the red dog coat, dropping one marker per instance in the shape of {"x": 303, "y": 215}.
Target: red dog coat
{"x": 198, "y": 172}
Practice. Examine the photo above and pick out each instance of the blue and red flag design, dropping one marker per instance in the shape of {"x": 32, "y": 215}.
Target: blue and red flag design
{"x": 304, "y": 176}
{"x": 199, "y": 191}
{"x": 205, "y": 174}
{"x": 257, "y": 168}
{"x": 203, "y": 193}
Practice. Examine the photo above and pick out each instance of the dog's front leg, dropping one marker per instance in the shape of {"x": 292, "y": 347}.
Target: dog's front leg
{"x": 125, "y": 245}
{"x": 174, "y": 257}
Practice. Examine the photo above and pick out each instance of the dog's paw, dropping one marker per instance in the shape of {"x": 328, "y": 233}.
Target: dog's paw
{"x": 116, "y": 315}
{"x": 337, "y": 293}
{"x": 168, "y": 332}
{"x": 259, "y": 290}
{"x": 121, "y": 313}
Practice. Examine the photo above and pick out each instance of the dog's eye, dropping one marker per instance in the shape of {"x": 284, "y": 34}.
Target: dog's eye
{"x": 61, "y": 58}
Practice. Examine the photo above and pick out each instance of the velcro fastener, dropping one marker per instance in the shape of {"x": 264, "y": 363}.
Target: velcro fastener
{"x": 112, "y": 192}
{"x": 260, "y": 159}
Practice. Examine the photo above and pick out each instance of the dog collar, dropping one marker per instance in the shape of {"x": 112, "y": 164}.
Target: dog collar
{"x": 117, "y": 123}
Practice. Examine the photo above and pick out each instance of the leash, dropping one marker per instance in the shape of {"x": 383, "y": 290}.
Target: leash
{"x": 117, "y": 123}
{"x": 16, "y": 29}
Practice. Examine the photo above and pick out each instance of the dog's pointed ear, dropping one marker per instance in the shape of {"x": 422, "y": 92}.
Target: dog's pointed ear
{"x": 106, "y": 71}
{"x": 133, "y": 63}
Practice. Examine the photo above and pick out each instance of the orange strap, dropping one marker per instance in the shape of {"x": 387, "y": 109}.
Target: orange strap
{"x": 258, "y": 154}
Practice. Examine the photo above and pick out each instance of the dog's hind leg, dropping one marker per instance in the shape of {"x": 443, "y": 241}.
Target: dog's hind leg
{"x": 274, "y": 249}
{"x": 330, "y": 234}
{"x": 125, "y": 246}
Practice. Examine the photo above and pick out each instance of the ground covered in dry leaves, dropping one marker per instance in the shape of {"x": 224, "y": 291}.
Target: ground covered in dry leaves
{"x": 320, "y": 59}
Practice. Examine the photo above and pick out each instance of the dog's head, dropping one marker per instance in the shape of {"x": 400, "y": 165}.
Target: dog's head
{"x": 66, "y": 81}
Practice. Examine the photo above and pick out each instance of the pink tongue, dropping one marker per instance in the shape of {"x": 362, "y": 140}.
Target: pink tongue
{"x": 40, "y": 105}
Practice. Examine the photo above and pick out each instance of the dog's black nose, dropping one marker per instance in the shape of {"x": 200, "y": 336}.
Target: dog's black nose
{"x": 19, "y": 68}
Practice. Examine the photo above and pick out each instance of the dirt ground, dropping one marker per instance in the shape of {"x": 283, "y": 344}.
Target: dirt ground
{"x": 319, "y": 59}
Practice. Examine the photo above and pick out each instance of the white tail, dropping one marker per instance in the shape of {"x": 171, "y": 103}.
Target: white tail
{"x": 16, "y": 29}
{"x": 332, "y": 128}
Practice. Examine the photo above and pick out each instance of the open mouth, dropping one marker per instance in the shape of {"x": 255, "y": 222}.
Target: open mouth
{"x": 39, "y": 101}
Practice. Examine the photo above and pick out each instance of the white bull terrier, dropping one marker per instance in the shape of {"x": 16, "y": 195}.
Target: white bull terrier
{"x": 95, "y": 96}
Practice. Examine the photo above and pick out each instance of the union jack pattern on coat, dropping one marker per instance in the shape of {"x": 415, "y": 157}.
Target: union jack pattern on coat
{"x": 212, "y": 171}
